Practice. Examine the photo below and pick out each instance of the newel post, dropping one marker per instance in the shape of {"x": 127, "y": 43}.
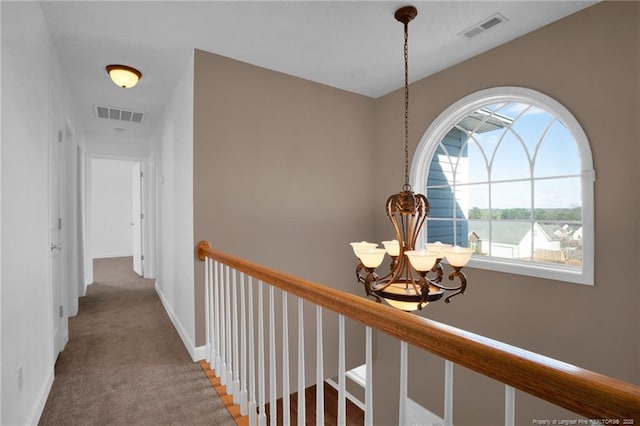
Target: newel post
{"x": 201, "y": 248}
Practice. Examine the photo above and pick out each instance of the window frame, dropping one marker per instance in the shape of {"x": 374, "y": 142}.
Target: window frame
{"x": 450, "y": 116}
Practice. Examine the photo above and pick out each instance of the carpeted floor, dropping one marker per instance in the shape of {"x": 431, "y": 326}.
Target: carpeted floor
{"x": 125, "y": 364}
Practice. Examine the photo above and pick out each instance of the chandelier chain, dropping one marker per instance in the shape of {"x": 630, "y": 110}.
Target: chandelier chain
{"x": 406, "y": 187}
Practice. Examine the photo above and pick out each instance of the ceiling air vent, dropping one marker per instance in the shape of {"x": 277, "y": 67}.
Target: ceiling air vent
{"x": 111, "y": 113}
{"x": 483, "y": 26}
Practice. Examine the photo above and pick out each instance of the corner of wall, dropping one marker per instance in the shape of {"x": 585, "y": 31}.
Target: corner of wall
{"x": 196, "y": 353}
{"x": 174, "y": 206}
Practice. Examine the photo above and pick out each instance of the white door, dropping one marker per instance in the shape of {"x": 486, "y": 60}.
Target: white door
{"x": 55, "y": 240}
{"x": 136, "y": 219}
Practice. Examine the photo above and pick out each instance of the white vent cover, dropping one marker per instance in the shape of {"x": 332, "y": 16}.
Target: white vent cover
{"x": 483, "y": 26}
{"x": 111, "y": 113}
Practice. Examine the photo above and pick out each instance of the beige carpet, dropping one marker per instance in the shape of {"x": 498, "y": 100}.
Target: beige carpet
{"x": 125, "y": 364}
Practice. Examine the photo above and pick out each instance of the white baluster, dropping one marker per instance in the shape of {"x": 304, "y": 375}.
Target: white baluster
{"x": 222, "y": 329}
{"x": 229, "y": 348}
{"x": 286, "y": 393}
{"x": 301, "y": 399}
{"x": 236, "y": 352}
{"x": 207, "y": 313}
{"x": 251, "y": 365}
{"x": 402, "y": 415}
{"x": 448, "y": 393}
{"x": 272, "y": 359}
{"x": 368, "y": 386}
{"x": 342, "y": 403}
{"x": 243, "y": 349}
{"x": 319, "y": 368}
{"x": 212, "y": 323}
{"x": 262, "y": 417}
{"x": 216, "y": 318}
{"x": 509, "y": 405}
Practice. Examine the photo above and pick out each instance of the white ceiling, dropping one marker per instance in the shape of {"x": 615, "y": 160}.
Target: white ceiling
{"x": 355, "y": 46}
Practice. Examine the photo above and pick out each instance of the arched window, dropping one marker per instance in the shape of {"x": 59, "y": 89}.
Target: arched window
{"x": 508, "y": 172}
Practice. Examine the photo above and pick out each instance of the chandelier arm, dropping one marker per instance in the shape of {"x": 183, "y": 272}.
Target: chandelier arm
{"x": 385, "y": 280}
{"x": 417, "y": 229}
{"x": 424, "y": 290}
{"x": 394, "y": 262}
{"x": 402, "y": 270}
{"x": 400, "y": 231}
{"x": 445, "y": 288}
{"x": 437, "y": 268}
{"x": 359, "y": 276}
{"x": 409, "y": 234}
{"x": 368, "y": 280}
{"x": 392, "y": 277}
{"x": 457, "y": 273}
{"x": 416, "y": 287}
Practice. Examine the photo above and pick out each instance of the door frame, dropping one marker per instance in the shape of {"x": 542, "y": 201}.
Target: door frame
{"x": 148, "y": 208}
{"x": 58, "y": 301}
{"x": 137, "y": 218}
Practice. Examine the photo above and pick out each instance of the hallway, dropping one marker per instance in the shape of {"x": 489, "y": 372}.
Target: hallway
{"x": 125, "y": 364}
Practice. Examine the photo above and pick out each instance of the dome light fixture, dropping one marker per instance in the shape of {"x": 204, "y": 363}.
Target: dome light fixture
{"x": 123, "y": 76}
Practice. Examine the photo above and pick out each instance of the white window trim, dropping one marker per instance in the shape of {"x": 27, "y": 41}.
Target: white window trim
{"x": 454, "y": 113}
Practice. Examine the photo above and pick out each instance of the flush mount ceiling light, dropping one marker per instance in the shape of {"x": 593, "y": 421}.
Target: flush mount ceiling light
{"x": 124, "y": 76}
{"x": 406, "y": 286}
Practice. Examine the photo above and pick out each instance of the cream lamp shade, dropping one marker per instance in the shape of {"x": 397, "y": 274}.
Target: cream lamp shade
{"x": 372, "y": 258}
{"x": 422, "y": 260}
{"x": 362, "y": 246}
{"x": 437, "y": 247}
{"x": 124, "y": 76}
{"x": 392, "y": 247}
{"x": 458, "y": 256}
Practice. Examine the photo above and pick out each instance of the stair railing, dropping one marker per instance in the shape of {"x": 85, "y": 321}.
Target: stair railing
{"x": 231, "y": 328}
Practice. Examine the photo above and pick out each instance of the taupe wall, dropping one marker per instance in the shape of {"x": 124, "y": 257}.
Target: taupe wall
{"x": 282, "y": 174}
{"x": 590, "y": 63}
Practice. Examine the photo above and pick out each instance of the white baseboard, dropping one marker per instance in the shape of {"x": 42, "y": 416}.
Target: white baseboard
{"x": 199, "y": 353}
{"x": 193, "y": 351}
{"x": 38, "y": 407}
{"x": 108, "y": 255}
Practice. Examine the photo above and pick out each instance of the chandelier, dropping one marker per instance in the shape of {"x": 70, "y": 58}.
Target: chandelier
{"x": 406, "y": 285}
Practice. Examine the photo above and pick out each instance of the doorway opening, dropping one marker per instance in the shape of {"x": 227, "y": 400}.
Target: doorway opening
{"x": 116, "y": 212}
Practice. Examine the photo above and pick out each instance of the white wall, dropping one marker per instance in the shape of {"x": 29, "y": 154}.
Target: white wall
{"x": 30, "y": 71}
{"x": 175, "y": 244}
{"x": 111, "y": 208}
{"x": 118, "y": 145}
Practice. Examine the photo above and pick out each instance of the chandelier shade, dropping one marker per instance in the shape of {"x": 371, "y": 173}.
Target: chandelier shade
{"x": 406, "y": 285}
{"x": 422, "y": 260}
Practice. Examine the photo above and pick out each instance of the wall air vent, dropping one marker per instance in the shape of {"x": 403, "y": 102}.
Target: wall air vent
{"x": 111, "y": 113}
{"x": 483, "y": 26}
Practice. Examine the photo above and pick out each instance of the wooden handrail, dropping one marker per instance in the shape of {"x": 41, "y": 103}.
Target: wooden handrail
{"x": 581, "y": 391}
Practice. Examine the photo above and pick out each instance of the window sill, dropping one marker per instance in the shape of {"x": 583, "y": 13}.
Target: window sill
{"x": 546, "y": 271}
